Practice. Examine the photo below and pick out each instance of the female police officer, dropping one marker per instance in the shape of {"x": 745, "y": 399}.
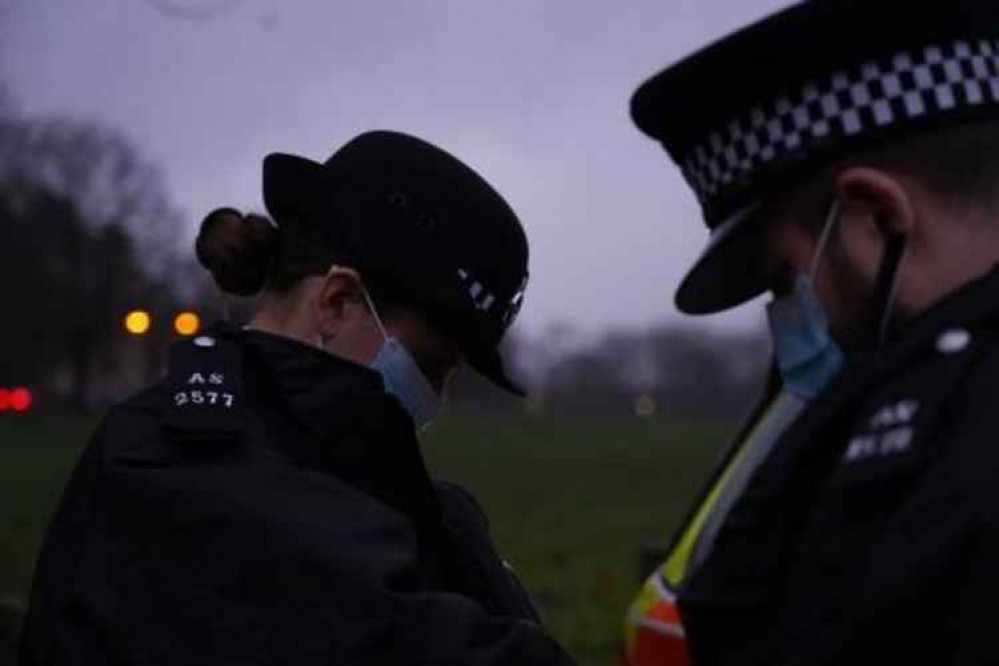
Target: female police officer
{"x": 267, "y": 503}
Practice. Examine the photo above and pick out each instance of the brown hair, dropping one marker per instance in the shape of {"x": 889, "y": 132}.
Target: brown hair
{"x": 958, "y": 164}
{"x": 246, "y": 253}
{"x": 238, "y": 250}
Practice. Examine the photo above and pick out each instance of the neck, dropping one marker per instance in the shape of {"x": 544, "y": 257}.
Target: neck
{"x": 278, "y": 316}
{"x": 973, "y": 252}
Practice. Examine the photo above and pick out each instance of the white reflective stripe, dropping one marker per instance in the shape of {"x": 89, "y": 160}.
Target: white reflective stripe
{"x": 664, "y": 592}
{"x": 484, "y": 300}
{"x": 658, "y": 626}
{"x": 761, "y": 440}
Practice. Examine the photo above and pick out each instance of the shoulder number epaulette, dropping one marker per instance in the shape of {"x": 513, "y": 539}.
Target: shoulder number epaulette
{"x": 205, "y": 387}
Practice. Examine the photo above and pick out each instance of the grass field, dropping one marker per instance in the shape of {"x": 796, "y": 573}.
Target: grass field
{"x": 570, "y": 501}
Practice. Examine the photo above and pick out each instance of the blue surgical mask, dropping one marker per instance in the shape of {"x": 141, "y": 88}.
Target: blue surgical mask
{"x": 807, "y": 356}
{"x": 403, "y": 377}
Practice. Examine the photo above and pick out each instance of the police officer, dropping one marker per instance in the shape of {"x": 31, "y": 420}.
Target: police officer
{"x": 846, "y": 157}
{"x": 268, "y": 503}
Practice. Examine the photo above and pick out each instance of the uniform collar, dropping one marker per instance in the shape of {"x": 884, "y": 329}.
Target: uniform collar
{"x": 967, "y": 306}
{"x": 323, "y": 390}
{"x": 363, "y": 436}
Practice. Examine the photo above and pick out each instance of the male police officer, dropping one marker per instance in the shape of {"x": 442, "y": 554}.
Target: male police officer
{"x": 846, "y": 156}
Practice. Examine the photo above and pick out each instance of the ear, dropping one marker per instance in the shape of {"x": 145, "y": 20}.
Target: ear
{"x": 876, "y": 198}
{"x": 336, "y": 300}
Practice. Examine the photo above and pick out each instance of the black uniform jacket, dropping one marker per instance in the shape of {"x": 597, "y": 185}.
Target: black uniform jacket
{"x": 871, "y": 533}
{"x": 268, "y": 504}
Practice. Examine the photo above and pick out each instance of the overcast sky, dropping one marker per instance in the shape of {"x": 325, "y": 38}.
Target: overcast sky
{"x": 532, "y": 93}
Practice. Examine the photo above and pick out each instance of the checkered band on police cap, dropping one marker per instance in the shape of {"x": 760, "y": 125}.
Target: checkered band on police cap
{"x": 906, "y": 86}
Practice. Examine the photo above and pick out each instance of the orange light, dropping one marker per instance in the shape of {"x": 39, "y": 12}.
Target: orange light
{"x": 138, "y": 322}
{"x": 187, "y": 324}
{"x": 21, "y": 400}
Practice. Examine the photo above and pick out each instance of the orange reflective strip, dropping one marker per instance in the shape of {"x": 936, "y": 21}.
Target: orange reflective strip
{"x": 656, "y": 649}
{"x": 665, "y": 611}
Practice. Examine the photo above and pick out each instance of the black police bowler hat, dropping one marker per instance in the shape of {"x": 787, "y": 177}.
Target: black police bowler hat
{"x": 418, "y": 221}
{"x": 749, "y": 116}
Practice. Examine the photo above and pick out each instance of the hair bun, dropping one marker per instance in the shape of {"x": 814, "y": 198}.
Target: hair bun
{"x": 237, "y": 250}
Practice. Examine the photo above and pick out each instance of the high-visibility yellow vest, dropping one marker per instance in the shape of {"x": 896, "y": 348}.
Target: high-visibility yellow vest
{"x": 654, "y": 633}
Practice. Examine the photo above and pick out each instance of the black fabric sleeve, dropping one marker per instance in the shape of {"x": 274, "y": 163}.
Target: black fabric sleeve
{"x": 490, "y": 576}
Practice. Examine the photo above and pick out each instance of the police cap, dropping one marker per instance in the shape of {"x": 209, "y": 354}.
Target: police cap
{"x": 748, "y": 116}
{"x": 417, "y": 220}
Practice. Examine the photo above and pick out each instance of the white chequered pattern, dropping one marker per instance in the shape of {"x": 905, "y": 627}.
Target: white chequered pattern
{"x": 876, "y": 94}
{"x": 484, "y": 301}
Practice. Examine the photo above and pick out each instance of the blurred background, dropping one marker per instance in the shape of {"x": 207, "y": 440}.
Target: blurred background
{"x": 122, "y": 122}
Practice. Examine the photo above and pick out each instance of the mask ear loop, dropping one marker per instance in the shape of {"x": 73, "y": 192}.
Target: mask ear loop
{"x": 886, "y": 287}
{"x": 374, "y": 312}
{"x": 820, "y": 248}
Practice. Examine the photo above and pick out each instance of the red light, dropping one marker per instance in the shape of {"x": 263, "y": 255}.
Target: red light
{"x": 4, "y": 400}
{"x": 20, "y": 400}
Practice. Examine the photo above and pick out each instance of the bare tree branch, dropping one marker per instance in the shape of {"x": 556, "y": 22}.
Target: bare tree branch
{"x": 99, "y": 170}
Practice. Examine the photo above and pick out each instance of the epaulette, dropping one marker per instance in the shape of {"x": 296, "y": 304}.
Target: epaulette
{"x": 899, "y": 420}
{"x": 205, "y": 395}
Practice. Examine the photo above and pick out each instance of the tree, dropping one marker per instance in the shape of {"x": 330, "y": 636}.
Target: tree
{"x": 684, "y": 372}
{"x": 27, "y": 347}
{"x": 100, "y": 172}
{"x": 91, "y": 228}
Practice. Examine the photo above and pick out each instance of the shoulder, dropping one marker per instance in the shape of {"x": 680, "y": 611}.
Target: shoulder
{"x": 201, "y": 392}
{"x": 953, "y": 369}
{"x": 239, "y": 484}
{"x": 961, "y": 381}
{"x": 937, "y": 407}
{"x": 131, "y": 421}
{"x": 969, "y": 415}
{"x": 143, "y": 406}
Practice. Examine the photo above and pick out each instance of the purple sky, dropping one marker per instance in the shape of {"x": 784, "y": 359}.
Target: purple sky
{"x": 532, "y": 93}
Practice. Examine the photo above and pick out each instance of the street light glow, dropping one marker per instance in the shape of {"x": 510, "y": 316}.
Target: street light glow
{"x": 187, "y": 324}
{"x": 138, "y": 322}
